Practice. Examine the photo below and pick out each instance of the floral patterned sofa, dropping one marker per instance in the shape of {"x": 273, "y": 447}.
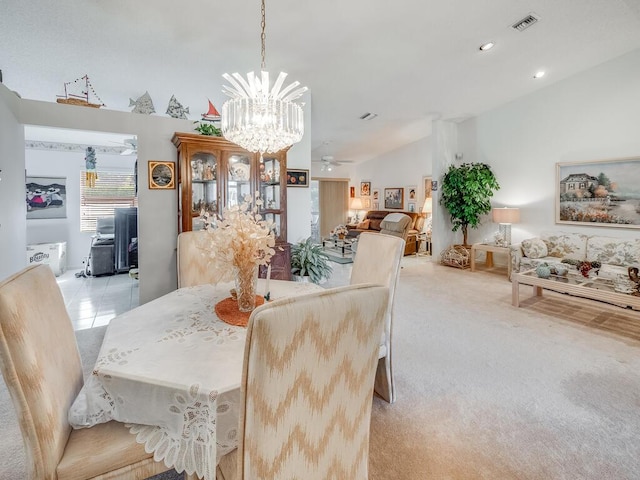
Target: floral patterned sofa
{"x": 615, "y": 255}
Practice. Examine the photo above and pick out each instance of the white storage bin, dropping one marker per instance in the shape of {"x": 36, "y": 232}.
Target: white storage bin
{"x": 52, "y": 254}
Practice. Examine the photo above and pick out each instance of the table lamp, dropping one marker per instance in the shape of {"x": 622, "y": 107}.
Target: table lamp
{"x": 427, "y": 208}
{"x": 505, "y": 217}
{"x": 356, "y": 206}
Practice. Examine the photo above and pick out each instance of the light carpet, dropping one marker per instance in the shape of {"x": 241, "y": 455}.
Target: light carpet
{"x": 485, "y": 390}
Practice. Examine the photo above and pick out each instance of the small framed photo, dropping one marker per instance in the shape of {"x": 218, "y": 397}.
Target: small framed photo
{"x": 412, "y": 206}
{"x": 393, "y": 198}
{"x": 376, "y": 195}
{"x": 376, "y": 205}
{"x": 366, "y": 203}
{"x": 412, "y": 193}
{"x": 352, "y": 192}
{"x": 162, "y": 175}
{"x": 297, "y": 178}
{"x": 365, "y": 189}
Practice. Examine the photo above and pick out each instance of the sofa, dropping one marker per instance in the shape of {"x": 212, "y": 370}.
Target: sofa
{"x": 615, "y": 255}
{"x": 373, "y": 222}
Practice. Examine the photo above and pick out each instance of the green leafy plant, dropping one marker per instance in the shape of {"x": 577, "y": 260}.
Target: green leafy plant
{"x": 466, "y": 191}
{"x": 208, "y": 129}
{"x": 308, "y": 259}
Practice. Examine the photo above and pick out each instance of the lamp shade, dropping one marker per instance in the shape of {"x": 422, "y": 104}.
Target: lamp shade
{"x": 356, "y": 203}
{"x": 428, "y": 205}
{"x": 506, "y": 215}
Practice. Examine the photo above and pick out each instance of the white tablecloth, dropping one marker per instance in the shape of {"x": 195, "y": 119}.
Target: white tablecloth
{"x": 171, "y": 370}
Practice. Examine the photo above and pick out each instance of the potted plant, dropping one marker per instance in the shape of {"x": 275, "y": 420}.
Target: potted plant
{"x": 466, "y": 191}
{"x": 309, "y": 262}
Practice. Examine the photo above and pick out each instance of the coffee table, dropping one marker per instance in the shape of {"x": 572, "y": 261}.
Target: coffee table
{"x": 592, "y": 288}
{"x": 343, "y": 245}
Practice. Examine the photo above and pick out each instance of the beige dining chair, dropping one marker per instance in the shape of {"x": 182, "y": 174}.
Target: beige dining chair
{"x": 307, "y": 386}
{"x": 42, "y": 369}
{"x": 377, "y": 260}
{"x": 193, "y": 265}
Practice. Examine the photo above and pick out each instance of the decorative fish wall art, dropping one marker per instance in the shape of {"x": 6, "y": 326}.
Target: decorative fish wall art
{"x": 143, "y": 104}
{"x": 176, "y": 110}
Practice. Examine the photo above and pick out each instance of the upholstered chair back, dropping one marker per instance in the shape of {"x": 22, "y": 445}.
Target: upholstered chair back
{"x": 43, "y": 381}
{"x": 307, "y": 385}
{"x": 193, "y": 263}
{"x": 377, "y": 260}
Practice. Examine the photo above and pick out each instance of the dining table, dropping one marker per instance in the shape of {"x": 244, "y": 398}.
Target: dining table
{"x": 171, "y": 370}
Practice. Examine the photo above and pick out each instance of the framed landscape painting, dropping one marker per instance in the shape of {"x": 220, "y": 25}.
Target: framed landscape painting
{"x": 602, "y": 193}
{"x": 393, "y": 198}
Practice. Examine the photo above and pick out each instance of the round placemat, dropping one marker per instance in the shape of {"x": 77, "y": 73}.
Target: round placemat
{"x": 227, "y": 311}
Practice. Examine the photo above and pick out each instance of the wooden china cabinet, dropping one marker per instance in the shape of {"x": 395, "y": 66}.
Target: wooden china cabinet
{"x": 214, "y": 173}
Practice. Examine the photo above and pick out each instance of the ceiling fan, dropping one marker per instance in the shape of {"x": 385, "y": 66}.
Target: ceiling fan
{"x": 131, "y": 146}
{"x": 328, "y": 162}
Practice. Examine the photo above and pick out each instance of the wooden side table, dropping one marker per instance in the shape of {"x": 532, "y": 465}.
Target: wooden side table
{"x": 490, "y": 249}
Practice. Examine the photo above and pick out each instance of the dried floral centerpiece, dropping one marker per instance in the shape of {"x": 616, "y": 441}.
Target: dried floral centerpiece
{"x": 240, "y": 242}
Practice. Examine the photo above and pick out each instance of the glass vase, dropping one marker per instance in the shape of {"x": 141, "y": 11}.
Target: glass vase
{"x": 246, "y": 287}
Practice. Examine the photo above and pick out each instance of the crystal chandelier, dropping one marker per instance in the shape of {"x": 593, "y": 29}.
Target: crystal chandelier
{"x": 258, "y": 118}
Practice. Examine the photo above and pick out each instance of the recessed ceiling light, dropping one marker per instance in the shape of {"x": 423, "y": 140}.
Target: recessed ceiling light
{"x": 539, "y": 74}
{"x": 486, "y": 46}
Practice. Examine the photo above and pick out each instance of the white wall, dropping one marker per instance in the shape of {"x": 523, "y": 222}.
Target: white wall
{"x": 299, "y": 199}
{"x": 157, "y": 209}
{"x": 13, "y": 208}
{"x": 157, "y": 219}
{"x": 397, "y": 169}
{"x": 592, "y": 116}
{"x": 69, "y": 165}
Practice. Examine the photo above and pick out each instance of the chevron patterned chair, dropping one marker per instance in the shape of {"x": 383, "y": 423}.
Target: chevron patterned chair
{"x": 193, "y": 267}
{"x": 41, "y": 366}
{"x": 377, "y": 260}
{"x": 307, "y": 385}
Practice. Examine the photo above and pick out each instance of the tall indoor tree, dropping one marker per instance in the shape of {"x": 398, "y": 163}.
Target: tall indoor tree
{"x": 466, "y": 191}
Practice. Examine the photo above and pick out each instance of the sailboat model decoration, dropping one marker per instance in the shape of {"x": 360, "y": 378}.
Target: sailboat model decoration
{"x": 80, "y": 97}
{"x": 212, "y": 114}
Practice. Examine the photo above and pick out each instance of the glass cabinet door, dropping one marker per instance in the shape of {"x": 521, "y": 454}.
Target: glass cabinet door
{"x": 270, "y": 191}
{"x": 238, "y": 178}
{"x": 204, "y": 187}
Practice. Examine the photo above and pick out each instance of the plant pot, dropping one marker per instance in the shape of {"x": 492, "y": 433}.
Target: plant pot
{"x": 298, "y": 278}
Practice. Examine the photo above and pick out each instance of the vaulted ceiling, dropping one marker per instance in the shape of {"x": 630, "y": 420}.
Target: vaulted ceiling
{"x": 408, "y": 61}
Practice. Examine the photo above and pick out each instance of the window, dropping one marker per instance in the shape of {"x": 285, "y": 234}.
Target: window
{"x": 112, "y": 190}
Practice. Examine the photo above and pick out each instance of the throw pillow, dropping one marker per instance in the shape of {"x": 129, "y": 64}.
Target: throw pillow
{"x": 535, "y": 248}
{"x": 364, "y": 225}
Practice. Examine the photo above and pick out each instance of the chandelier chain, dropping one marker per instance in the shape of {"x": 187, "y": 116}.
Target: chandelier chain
{"x": 263, "y": 37}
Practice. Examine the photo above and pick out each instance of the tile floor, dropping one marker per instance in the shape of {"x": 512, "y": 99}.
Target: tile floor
{"x": 94, "y": 301}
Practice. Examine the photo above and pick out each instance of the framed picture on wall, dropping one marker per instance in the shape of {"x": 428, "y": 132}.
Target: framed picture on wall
{"x": 602, "y": 193}
{"x": 376, "y": 205}
{"x": 352, "y": 191}
{"x": 412, "y": 206}
{"x": 365, "y": 189}
{"x": 297, "y": 178}
{"x": 46, "y": 197}
{"x": 412, "y": 193}
{"x": 376, "y": 195}
{"x": 394, "y": 198}
{"x": 366, "y": 203}
{"x": 162, "y": 175}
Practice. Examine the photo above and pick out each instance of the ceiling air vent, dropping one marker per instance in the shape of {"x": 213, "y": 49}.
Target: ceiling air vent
{"x": 368, "y": 116}
{"x": 526, "y": 22}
